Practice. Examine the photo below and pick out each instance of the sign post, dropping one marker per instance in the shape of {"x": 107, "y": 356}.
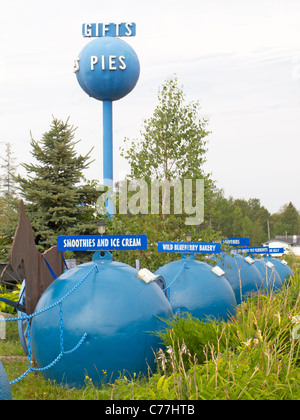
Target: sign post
{"x": 108, "y": 161}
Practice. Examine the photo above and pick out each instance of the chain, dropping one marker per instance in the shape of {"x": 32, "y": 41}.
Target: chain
{"x": 61, "y": 328}
{"x": 28, "y": 319}
{"x": 175, "y": 278}
{"x": 70, "y": 292}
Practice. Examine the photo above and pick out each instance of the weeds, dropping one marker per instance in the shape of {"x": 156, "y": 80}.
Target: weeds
{"x": 254, "y": 356}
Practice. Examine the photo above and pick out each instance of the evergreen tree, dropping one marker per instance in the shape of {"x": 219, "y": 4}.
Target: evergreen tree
{"x": 286, "y": 221}
{"x": 8, "y": 202}
{"x": 290, "y": 218}
{"x": 8, "y": 168}
{"x": 57, "y": 203}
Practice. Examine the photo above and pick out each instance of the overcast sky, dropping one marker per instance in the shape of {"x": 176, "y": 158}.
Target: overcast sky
{"x": 239, "y": 58}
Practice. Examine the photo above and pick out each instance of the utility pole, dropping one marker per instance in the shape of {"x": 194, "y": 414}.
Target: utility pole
{"x": 268, "y": 223}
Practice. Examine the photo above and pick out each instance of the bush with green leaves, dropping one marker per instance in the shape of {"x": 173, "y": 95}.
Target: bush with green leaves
{"x": 10, "y": 295}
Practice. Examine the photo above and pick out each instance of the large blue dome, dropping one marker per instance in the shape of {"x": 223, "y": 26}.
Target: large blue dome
{"x": 5, "y": 391}
{"x": 195, "y": 288}
{"x": 244, "y": 277}
{"x": 282, "y": 268}
{"x": 269, "y": 274}
{"x": 115, "y": 308}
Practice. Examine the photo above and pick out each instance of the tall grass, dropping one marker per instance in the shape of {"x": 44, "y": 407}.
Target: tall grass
{"x": 255, "y": 356}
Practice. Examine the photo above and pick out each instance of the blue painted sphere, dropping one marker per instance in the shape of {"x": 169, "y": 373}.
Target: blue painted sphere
{"x": 282, "y": 269}
{"x": 197, "y": 289}
{"x": 116, "y": 309}
{"x": 5, "y": 391}
{"x": 108, "y": 69}
{"x": 270, "y": 276}
{"x": 244, "y": 278}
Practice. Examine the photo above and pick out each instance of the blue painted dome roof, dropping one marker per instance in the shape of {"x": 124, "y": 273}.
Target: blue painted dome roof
{"x": 195, "y": 288}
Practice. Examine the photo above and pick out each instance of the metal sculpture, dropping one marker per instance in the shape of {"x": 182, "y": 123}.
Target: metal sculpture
{"x": 24, "y": 251}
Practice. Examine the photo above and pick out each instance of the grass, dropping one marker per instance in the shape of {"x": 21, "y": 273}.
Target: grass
{"x": 255, "y": 356}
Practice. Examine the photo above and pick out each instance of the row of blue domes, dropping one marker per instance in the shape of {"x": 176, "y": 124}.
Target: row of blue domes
{"x": 120, "y": 312}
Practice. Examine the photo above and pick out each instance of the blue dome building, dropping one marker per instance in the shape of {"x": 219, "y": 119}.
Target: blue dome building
{"x": 269, "y": 274}
{"x": 5, "y": 391}
{"x": 282, "y": 268}
{"x": 116, "y": 310}
{"x": 241, "y": 273}
{"x": 195, "y": 288}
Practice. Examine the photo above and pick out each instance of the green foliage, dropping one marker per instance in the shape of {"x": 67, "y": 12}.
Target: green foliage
{"x": 237, "y": 217}
{"x": 240, "y": 218}
{"x": 8, "y": 201}
{"x": 286, "y": 221}
{"x": 57, "y": 200}
{"x": 172, "y": 147}
{"x": 173, "y": 140}
{"x": 157, "y": 228}
{"x": 255, "y": 356}
{"x": 11, "y": 295}
{"x": 195, "y": 334}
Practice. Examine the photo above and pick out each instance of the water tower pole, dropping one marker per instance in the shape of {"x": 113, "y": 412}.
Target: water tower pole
{"x": 108, "y": 151}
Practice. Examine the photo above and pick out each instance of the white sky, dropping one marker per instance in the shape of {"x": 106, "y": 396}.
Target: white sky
{"x": 240, "y": 58}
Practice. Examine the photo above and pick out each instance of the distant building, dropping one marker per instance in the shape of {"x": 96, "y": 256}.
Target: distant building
{"x": 290, "y": 243}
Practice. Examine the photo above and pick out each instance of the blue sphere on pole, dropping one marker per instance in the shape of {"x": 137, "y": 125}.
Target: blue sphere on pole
{"x": 107, "y": 68}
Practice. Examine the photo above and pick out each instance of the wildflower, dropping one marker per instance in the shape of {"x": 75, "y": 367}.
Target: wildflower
{"x": 259, "y": 334}
{"x": 162, "y": 357}
{"x": 256, "y": 342}
{"x": 247, "y": 343}
{"x": 170, "y": 350}
{"x": 184, "y": 348}
{"x": 295, "y": 319}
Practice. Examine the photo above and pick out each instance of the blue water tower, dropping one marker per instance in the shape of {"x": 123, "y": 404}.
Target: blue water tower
{"x": 117, "y": 311}
{"x": 5, "y": 391}
{"x": 241, "y": 273}
{"x": 269, "y": 274}
{"x": 107, "y": 69}
{"x": 197, "y": 288}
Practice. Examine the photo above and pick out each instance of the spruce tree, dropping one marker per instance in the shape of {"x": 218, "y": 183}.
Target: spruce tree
{"x": 8, "y": 201}
{"x": 8, "y": 168}
{"x": 57, "y": 201}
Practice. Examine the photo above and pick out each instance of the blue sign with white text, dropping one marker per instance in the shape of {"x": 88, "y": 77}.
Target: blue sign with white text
{"x": 255, "y": 250}
{"x": 96, "y": 30}
{"x": 189, "y": 247}
{"x": 102, "y": 243}
{"x": 236, "y": 241}
{"x": 276, "y": 250}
